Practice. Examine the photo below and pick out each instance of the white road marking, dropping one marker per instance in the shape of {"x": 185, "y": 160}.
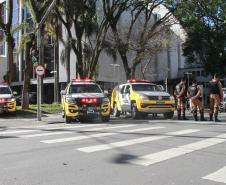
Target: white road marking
{"x": 153, "y": 158}
{"x": 77, "y": 138}
{"x": 108, "y": 128}
{"x": 17, "y": 132}
{"x": 218, "y": 176}
{"x": 134, "y": 141}
{"x": 45, "y": 134}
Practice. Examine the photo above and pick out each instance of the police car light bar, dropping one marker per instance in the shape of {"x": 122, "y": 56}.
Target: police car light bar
{"x": 82, "y": 80}
{"x": 141, "y": 81}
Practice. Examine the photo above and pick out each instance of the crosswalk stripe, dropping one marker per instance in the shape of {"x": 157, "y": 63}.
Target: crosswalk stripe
{"x": 218, "y": 176}
{"x": 16, "y": 132}
{"x": 68, "y": 127}
{"x": 134, "y": 141}
{"x": 77, "y": 138}
{"x": 108, "y": 128}
{"x": 45, "y": 134}
{"x": 178, "y": 151}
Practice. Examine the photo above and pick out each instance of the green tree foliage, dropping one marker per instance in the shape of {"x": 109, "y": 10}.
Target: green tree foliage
{"x": 205, "y": 24}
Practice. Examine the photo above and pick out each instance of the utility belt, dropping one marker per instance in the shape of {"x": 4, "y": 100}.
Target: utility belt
{"x": 199, "y": 98}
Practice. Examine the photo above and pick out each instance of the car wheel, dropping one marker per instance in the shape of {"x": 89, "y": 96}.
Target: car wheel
{"x": 67, "y": 118}
{"x": 105, "y": 118}
{"x": 168, "y": 115}
{"x": 134, "y": 112}
{"x": 116, "y": 112}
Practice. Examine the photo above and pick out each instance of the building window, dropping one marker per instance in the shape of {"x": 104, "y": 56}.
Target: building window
{"x": 3, "y": 18}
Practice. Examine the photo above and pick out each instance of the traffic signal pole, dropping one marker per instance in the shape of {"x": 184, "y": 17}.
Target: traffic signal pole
{"x": 39, "y": 78}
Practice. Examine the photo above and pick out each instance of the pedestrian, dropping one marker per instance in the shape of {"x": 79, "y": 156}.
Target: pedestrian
{"x": 180, "y": 94}
{"x": 194, "y": 94}
{"x": 216, "y": 96}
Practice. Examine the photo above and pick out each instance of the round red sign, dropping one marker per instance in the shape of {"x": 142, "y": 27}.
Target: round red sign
{"x": 40, "y": 70}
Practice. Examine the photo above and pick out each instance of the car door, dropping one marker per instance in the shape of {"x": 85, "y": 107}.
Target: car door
{"x": 126, "y": 98}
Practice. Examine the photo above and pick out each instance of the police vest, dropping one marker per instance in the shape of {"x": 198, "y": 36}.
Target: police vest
{"x": 178, "y": 89}
{"x": 214, "y": 88}
{"x": 193, "y": 90}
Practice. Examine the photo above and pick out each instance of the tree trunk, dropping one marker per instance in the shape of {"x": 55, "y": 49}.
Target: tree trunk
{"x": 122, "y": 52}
{"x": 27, "y": 75}
{"x": 10, "y": 60}
{"x": 68, "y": 59}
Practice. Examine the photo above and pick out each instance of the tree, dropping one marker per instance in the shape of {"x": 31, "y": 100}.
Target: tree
{"x": 204, "y": 22}
{"x": 87, "y": 38}
{"x": 142, "y": 36}
{"x": 8, "y": 32}
{"x": 37, "y": 10}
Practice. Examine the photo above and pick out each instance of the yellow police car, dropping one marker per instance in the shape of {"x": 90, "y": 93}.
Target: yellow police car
{"x": 7, "y": 99}
{"x": 140, "y": 98}
{"x": 83, "y": 99}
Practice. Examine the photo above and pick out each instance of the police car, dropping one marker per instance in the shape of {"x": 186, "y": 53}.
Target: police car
{"x": 7, "y": 99}
{"x": 140, "y": 98}
{"x": 83, "y": 99}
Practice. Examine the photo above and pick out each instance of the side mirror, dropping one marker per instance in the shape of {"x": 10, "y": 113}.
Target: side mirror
{"x": 63, "y": 92}
{"x": 15, "y": 93}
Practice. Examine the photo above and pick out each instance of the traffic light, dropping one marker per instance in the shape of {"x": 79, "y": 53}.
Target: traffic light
{"x": 35, "y": 56}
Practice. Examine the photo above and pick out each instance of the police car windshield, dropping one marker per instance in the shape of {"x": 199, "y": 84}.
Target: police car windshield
{"x": 84, "y": 88}
{"x": 5, "y": 90}
{"x": 145, "y": 87}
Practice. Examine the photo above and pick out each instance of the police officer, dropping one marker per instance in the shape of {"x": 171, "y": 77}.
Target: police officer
{"x": 180, "y": 94}
{"x": 194, "y": 94}
{"x": 216, "y": 95}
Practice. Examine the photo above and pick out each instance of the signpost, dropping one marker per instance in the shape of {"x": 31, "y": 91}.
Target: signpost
{"x": 40, "y": 70}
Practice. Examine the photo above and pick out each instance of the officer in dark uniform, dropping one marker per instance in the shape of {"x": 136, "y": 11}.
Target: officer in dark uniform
{"x": 216, "y": 96}
{"x": 180, "y": 94}
{"x": 194, "y": 94}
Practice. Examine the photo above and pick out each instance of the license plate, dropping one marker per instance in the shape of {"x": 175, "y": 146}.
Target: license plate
{"x": 160, "y": 102}
{"x": 90, "y": 110}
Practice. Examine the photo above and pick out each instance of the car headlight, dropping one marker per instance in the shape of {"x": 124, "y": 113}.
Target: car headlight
{"x": 143, "y": 97}
{"x": 70, "y": 100}
{"x": 172, "y": 98}
{"x": 11, "y": 99}
{"x": 105, "y": 100}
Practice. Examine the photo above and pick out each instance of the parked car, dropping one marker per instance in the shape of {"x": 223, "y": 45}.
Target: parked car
{"x": 140, "y": 98}
{"x": 84, "y": 99}
{"x": 32, "y": 98}
{"x": 7, "y": 99}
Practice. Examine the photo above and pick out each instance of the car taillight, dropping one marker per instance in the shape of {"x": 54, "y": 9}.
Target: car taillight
{"x": 2, "y": 100}
{"x": 89, "y": 100}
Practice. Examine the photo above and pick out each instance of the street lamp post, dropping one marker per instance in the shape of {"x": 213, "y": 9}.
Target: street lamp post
{"x": 114, "y": 76}
{"x": 188, "y": 75}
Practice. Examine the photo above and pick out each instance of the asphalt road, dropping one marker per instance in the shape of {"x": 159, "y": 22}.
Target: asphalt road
{"x": 121, "y": 152}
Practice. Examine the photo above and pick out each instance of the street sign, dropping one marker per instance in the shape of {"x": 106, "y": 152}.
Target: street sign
{"x": 40, "y": 70}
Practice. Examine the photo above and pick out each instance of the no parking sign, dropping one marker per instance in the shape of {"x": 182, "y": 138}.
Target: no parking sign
{"x": 40, "y": 70}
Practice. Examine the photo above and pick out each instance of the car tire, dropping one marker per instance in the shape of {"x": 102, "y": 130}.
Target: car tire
{"x": 67, "y": 118}
{"x": 116, "y": 112}
{"x": 105, "y": 118}
{"x": 168, "y": 115}
{"x": 134, "y": 112}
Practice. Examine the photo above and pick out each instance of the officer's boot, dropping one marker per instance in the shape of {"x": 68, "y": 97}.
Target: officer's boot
{"x": 178, "y": 114}
{"x": 202, "y": 116}
{"x": 211, "y": 116}
{"x": 216, "y": 117}
{"x": 195, "y": 115}
{"x": 183, "y": 116}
